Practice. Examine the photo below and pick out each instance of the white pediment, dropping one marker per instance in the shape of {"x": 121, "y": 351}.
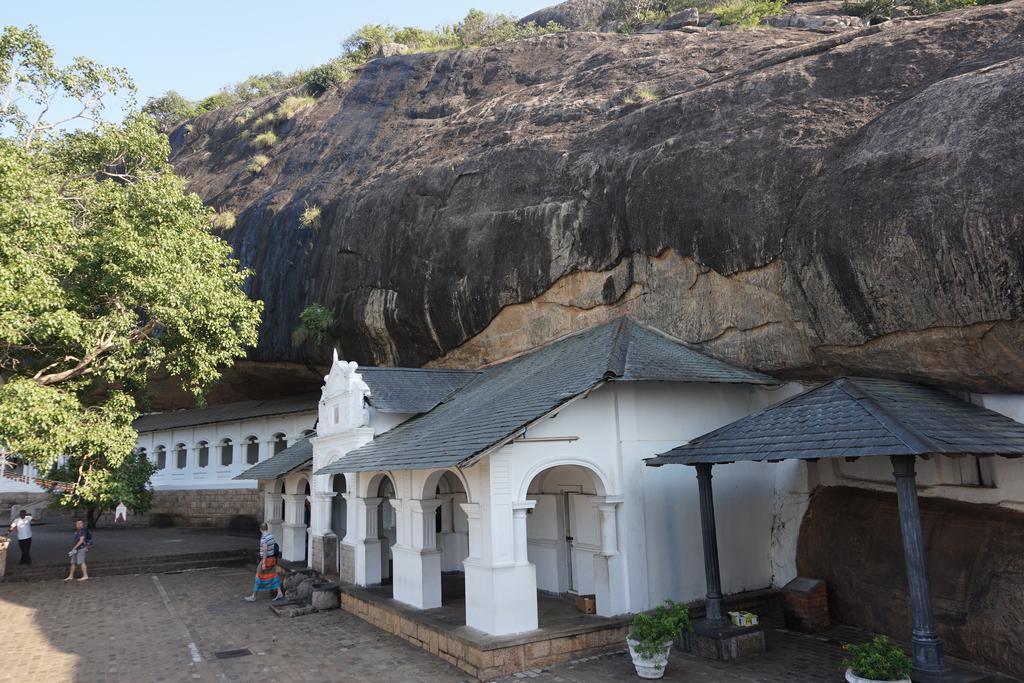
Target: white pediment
{"x": 343, "y": 398}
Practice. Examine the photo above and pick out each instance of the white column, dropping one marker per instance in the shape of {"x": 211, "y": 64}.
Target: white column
{"x": 610, "y": 578}
{"x": 272, "y": 514}
{"x": 363, "y": 536}
{"x": 320, "y": 513}
{"x": 417, "y": 579}
{"x": 519, "y": 511}
{"x": 501, "y": 592}
{"x": 293, "y": 541}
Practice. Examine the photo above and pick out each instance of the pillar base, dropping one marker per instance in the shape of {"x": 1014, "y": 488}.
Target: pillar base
{"x": 417, "y": 579}
{"x": 501, "y": 600}
{"x": 725, "y": 643}
{"x": 950, "y": 676}
{"x": 293, "y": 542}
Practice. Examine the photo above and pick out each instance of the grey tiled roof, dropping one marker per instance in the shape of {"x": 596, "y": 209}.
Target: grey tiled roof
{"x": 295, "y": 457}
{"x": 504, "y": 398}
{"x": 854, "y": 417}
{"x": 229, "y": 412}
{"x": 412, "y": 390}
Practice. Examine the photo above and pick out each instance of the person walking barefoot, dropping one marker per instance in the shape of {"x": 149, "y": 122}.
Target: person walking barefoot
{"x": 266, "y": 571}
{"x": 82, "y": 540}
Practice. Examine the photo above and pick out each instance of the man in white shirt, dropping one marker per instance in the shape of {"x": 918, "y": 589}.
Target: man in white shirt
{"x": 24, "y": 526}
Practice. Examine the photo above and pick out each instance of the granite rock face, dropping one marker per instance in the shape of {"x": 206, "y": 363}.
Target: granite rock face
{"x": 803, "y": 203}
{"x": 975, "y": 556}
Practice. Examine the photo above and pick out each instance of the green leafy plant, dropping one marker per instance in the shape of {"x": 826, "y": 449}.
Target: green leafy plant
{"x": 878, "y": 660}
{"x": 170, "y": 109}
{"x": 314, "y": 321}
{"x": 108, "y": 276}
{"x": 747, "y": 13}
{"x": 320, "y": 79}
{"x": 651, "y": 630}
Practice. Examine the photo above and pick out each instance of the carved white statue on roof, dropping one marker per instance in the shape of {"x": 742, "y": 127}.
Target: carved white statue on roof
{"x": 343, "y": 400}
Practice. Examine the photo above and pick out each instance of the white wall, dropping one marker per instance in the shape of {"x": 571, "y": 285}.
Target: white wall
{"x": 618, "y": 425}
{"x": 214, "y": 475}
{"x": 1000, "y": 481}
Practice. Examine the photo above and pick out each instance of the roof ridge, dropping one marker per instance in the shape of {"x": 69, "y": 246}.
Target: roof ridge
{"x": 911, "y": 437}
{"x": 619, "y": 351}
{"x": 468, "y": 371}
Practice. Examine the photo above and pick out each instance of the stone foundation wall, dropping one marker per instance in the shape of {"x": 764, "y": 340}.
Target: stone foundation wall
{"x": 347, "y": 563}
{"x": 975, "y": 553}
{"x": 484, "y": 664}
{"x": 325, "y": 554}
{"x": 205, "y": 508}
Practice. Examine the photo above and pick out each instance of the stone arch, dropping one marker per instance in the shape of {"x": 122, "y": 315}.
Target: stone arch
{"x": 437, "y": 478}
{"x": 563, "y": 535}
{"x": 370, "y": 486}
{"x": 597, "y": 474}
{"x": 297, "y": 482}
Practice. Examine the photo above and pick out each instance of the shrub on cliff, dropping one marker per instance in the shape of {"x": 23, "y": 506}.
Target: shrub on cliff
{"x": 170, "y": 109}
{"x": 747, "y": 13}
{"x": 320, "y": 79}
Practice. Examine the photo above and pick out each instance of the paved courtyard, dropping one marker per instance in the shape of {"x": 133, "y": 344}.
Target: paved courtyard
{"x": 171, "y": 627}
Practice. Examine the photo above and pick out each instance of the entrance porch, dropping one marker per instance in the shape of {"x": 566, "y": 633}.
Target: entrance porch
{"x": 564, "y": 633}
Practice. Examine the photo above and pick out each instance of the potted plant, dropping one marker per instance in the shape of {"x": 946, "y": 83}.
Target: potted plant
{"x": 876, "y": 661}
{"x": 650, "y": 638}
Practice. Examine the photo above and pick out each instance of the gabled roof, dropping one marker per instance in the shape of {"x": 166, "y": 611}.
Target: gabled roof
{"x": 503, "y": 399}
{"x": 296, "y": 456}
{"x": 228, "y": 412}
{"x": 855, "y": 417}
{"x": 412, "y": 390}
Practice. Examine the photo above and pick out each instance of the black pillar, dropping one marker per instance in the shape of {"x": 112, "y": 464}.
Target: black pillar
{"x": 927, "y": 649}
{"x": 713, "y": 601}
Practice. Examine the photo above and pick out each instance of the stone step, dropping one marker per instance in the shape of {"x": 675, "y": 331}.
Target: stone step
{"x": 144, "y": 565}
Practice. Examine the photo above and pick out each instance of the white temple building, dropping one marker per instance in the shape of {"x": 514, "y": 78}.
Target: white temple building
{"x": 526, "y": 476}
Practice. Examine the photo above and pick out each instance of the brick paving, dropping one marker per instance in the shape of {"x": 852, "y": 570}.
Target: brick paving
{"x": 139, "y": 628}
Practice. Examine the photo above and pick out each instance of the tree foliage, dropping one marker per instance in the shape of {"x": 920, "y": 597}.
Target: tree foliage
{"x": 108, "y": 275}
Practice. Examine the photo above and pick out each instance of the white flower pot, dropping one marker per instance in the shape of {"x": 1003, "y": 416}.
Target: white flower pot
{"x": 649, "y": 667}
{"x": 854, "y": 678}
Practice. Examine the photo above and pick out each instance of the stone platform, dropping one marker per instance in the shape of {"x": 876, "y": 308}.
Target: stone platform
{"x": 565, "y": 634}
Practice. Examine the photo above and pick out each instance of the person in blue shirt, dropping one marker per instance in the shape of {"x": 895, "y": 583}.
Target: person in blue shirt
{"x": 82, "y": 542}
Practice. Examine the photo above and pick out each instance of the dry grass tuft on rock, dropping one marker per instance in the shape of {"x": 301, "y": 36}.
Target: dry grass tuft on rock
{"x": 310, "y": 217}
{"x": 258, "y": 163}
{"x": 266, "y": 139}
{"x": 223, "y": 221}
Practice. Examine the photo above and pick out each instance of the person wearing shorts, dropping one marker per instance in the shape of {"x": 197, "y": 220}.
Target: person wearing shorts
{"x": 82, "y": 541}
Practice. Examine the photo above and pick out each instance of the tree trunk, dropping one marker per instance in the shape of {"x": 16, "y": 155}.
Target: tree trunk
{"x": 92, "y": 517}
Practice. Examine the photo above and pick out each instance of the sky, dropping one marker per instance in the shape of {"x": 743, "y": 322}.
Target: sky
{"x": 198, "y": 47}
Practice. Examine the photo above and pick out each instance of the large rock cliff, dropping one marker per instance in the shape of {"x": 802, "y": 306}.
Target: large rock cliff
{"x": 802, "y": 202}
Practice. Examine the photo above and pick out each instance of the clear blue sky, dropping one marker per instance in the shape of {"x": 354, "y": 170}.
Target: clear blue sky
{"x": 197, "y": 47}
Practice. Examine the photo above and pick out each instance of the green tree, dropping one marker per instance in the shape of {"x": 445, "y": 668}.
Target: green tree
{"x": 108, "y": 274}
{"x": 170, "y": 109}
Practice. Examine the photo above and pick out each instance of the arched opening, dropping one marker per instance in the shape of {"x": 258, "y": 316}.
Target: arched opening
{"x": 339, "y": 521}
{"x": 161, "y": 457}
{"x": 252, "y": 450}
{"x": 203, "y": 451}
{"x": 181, "y": 456}
{"x": 227, "y": 453}
{"x": 451, "y": 524}
{"x": 564, "y": 529}
{"x": 280, "y": 442}
{"x": 307, "y": 433}
{"x": 387, "y": 527}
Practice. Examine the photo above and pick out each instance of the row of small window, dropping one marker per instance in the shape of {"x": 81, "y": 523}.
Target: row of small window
{"x": 250, "y": 447}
